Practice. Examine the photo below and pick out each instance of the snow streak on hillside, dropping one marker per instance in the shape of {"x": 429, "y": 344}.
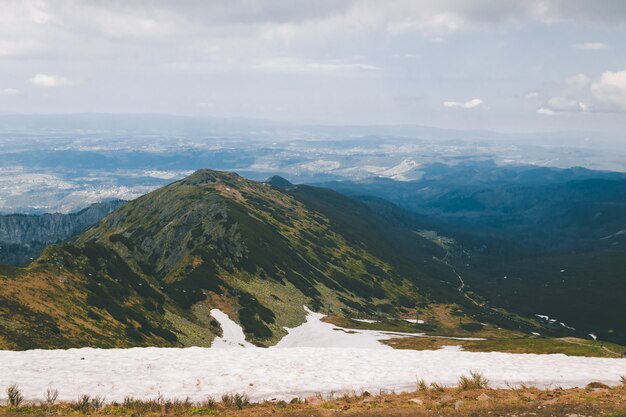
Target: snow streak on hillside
{"x": 232, "y": 333}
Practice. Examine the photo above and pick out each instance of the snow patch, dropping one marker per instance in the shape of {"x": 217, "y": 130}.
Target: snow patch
{"x": 313, "y": 357}
{"x": 280, "y": 373}
{"x": 402, "y": 171}
{"x": 316, "y": 333}
{"x": 232, "y": 333}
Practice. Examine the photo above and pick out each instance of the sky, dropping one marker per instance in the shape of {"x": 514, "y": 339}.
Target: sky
{"x": 510, "y": 66}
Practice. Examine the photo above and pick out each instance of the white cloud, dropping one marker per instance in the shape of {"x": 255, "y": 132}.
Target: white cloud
{"x": 581, "y": 94}
{"x": 610, "y": 91}
{"x": 591, "y": 46}
{"x": 531, "y": 95}
{"x": 47, "y": 80}
{"x": 545, "y": 111}
{"x": 162, "y": 55}
{"x": 320, "y": 67}
{"x": 578, "y": 82}
{"x": 566, "y": 104}
{"x": 471, "y": 104}
{"x": 10, "y": 92}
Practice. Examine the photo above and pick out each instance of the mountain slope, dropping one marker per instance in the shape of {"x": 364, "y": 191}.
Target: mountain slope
{"x": 550, "y": 242}
{"x": 149, "y": 273}
{"x": 23, "y": 237}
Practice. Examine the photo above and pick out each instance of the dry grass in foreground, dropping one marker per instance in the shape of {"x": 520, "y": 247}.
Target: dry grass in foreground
{"x": 471, "y": 398}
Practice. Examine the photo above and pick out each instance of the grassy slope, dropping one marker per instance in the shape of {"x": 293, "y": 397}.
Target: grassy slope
{"x": 519, "y": 344}
{"x": 148, "y": 273}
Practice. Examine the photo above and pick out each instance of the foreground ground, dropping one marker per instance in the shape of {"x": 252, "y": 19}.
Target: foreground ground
{"x": 594, "y": 400}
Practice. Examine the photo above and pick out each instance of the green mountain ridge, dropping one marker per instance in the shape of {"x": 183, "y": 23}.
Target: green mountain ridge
{"x": 149, "y": 272}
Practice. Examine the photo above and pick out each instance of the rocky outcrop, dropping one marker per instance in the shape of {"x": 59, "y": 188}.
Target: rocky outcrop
{"x": 23, "y": 237}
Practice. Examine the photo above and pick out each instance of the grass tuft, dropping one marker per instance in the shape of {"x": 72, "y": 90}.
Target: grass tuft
{"x": 238, "y": 401}
{"x": 15, "y": 396}
{"x": 475, "y": 380}
{"x": 435, "y": 386}
{"x": 51, "y": 396}
{"x": 83, "y": 405}
{"x": 422, "y": 385}
{"x": 97, "y": 402}
{"x": 209, "y": 403}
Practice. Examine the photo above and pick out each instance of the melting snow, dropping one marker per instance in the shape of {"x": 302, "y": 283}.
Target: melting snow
{"x": 314, "y": 357}
{"x": 316, "y": 333}
{"x": 415, "y": 321}
{"x": 232, "y": 333}
{"x": 279, "y": 373}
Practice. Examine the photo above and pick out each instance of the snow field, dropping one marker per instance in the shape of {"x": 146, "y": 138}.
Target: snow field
{"x": 315, "y": 357}
{"x": 280, "y": 373}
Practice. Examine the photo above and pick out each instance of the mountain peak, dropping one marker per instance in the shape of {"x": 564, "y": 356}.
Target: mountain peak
{"x": 279, "y": 182}
{"x": 209, "y": 176}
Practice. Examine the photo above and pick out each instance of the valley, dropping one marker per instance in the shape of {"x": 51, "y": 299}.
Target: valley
{"x": 536, "y": 241}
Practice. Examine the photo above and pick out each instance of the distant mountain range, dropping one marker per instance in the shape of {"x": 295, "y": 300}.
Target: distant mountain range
{"x": 533, "y": 240}
{"x": 148, "y": 272}
{"x": 23, "y": 237}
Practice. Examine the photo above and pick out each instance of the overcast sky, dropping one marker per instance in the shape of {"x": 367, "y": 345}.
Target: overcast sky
{"x": 522, "y": 65}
